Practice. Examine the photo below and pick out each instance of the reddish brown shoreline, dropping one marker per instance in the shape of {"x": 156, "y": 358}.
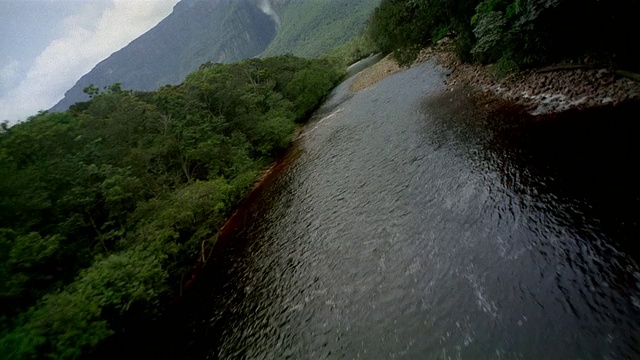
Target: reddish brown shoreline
{"x": 540, "y": 94}
{"x": 237, "y": 220}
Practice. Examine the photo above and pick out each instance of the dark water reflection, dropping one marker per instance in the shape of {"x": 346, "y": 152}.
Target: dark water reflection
{"x": 569, "y": 181}
{"x": 412, "y": 225}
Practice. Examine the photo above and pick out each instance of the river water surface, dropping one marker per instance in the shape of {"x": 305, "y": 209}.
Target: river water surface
{"x": 406, "y": 224}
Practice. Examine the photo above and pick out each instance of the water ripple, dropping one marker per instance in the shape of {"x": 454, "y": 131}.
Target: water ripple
{"x": 409, "y": 227}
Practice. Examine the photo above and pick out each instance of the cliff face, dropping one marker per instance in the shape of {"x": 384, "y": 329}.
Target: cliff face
{"x": 195, "y": 32}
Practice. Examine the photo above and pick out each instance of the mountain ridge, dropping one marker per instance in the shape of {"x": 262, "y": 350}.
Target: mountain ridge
{"x": 223, "y": 31}
{"x": 165, "y": 54}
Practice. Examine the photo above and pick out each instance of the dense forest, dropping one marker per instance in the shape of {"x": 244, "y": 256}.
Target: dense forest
{"x": 514, "y": 34}
{"x": 105, "y": 208}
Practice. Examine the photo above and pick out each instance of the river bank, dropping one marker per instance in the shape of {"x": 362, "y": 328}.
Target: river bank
{"x": 403, "y": 210}
{"x": 372, "y": 75}
{"x": 543, "y": 91}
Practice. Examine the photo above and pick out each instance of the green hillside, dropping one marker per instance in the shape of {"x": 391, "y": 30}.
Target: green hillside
{"x": 310, "y": 28}
{"x": 105, "y": 208}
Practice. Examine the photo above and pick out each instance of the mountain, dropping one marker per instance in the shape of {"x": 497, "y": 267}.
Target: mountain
{"x": 195, "y": 32}
{"x": 224, "y": 31}
{"x": 310, "y": 28}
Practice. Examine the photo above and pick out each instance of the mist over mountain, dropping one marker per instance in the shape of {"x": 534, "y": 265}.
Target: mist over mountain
{"x": 224, "y": 31}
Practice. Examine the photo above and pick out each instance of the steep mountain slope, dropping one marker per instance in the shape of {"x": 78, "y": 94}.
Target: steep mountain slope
{"x": 195, "y": 32}
{"x": 310, "y": 28}
{"x": 224, "y": 31}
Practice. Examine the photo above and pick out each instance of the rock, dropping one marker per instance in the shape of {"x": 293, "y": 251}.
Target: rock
{"x": 542, "y": 92}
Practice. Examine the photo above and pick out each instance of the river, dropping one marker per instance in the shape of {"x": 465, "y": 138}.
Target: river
{"x": 405, "y": 223}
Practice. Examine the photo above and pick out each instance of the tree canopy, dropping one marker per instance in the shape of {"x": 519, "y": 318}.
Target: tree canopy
{"x": 513, "y": 33}
{"x": 105, "y": 207}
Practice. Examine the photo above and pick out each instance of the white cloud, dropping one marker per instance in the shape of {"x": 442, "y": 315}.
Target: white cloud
{"x": 9, "y": 75}
{"x": 87, "y": 40}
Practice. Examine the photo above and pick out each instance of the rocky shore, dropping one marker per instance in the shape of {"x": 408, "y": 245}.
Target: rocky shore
{"x": 542, "y": 91}
{"x": 374, "y": 74}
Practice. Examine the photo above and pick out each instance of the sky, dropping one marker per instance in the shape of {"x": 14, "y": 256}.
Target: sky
{"x": 47, "y": 45}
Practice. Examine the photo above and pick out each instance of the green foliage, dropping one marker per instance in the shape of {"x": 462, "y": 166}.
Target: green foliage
{"x": 403, "y": 27}
{"x": 512, "y": 33}
{"x": 504, "y": 66}
{"x": 357, "y": 49}
{"x": 312, "y": 28}
{"x": 31, "y": 250}
{"x": 490, "y": 32}
{"x": 439, "y": 33}
{"x": 310, "y": 85}
{"x": 70, "y": 321}
{"x": 106, "y": 207}
{"x": 91, "y": 90}
{"x": 507, "y": 33}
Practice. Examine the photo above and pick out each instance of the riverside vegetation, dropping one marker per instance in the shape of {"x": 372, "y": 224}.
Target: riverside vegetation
{"x": 545, "y": 56}
{"x": 104, "y": 208}
{"x": 513, "y": 34}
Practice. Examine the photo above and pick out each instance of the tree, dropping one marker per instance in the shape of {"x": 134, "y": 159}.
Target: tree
{"x": 91, "y": 90}
{"x": 108, "y": 205}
